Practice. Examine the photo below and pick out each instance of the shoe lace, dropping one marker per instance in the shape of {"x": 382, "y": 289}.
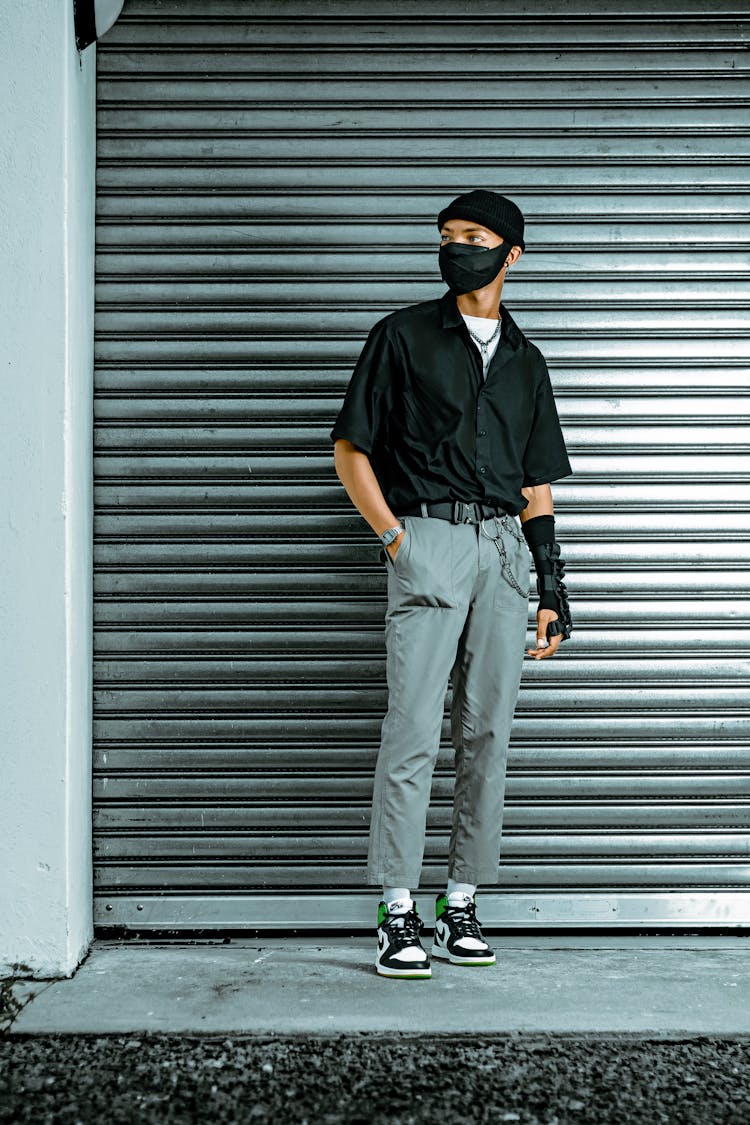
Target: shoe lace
{"x": 464, "y": 921}
{"x": 405, "y": 928}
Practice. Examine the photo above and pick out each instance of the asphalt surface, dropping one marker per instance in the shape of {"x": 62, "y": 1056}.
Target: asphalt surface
{"x": 378, "y": 1080}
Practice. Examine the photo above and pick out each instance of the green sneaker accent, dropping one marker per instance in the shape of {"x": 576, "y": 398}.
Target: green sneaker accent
{"x": 441, "y": 905}
{"x": 383, "y": 911}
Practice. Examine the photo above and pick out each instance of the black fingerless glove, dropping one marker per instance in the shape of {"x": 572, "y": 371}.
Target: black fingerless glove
{"x": 550, "y": 568}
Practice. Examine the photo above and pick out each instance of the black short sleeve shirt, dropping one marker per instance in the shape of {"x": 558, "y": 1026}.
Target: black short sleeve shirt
{"x": 435, "y": 428}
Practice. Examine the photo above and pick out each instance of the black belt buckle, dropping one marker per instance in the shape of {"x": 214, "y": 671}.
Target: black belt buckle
{"x": 465, "y": 513}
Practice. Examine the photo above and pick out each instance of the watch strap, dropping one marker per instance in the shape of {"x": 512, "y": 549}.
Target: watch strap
{"x": 390, "y": 535}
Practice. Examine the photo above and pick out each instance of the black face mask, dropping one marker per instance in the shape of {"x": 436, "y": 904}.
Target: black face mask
{"x": 465, "y": 268}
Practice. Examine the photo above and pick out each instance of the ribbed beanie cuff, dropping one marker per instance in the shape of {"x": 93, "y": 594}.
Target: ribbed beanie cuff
{"x": 490, "y": 210}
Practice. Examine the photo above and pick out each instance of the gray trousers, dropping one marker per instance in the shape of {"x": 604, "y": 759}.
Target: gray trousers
{"x": 457, "y": 607}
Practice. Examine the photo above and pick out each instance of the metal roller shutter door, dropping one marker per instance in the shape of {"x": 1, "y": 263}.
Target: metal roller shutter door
{"x": 268, "y": 176}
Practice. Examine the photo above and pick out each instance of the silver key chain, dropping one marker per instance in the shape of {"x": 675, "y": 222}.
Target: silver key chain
{"x": 497, "y": 540}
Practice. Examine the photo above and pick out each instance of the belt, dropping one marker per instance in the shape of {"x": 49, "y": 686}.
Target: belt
{"x": 458, "y": 511}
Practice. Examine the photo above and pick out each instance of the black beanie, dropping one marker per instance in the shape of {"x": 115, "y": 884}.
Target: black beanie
{"x": 490, "y": 210}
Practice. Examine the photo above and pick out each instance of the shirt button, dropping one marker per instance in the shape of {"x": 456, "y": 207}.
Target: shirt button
{"x": 482, "y": 433}
{"x": 482, "y": 469}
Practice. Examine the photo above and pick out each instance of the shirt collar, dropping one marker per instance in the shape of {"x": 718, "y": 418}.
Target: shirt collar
{"x": 451, "y": 318}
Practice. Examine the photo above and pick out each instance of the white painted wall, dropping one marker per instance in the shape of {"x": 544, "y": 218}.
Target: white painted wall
{"x": 47, "y": 162}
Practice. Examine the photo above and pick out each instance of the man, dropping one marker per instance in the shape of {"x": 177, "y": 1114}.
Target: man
{"x": 447, "y": 433}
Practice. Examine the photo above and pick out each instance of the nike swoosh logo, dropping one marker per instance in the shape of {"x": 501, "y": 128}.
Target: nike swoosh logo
{"x": 382, "y": 943}
{"x": 441, "y": 930}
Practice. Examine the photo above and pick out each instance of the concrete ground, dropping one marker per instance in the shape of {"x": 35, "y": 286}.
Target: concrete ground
{"x": 562, "y": 1031}
{"x": 637, "y": 985}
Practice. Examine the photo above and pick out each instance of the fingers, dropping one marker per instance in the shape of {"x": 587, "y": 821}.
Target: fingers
{"x": 544, "y": 652}
{"x": 544, "y": 647}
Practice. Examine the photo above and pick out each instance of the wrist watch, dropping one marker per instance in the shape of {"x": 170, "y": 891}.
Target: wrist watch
{"x": 390, "y": 535}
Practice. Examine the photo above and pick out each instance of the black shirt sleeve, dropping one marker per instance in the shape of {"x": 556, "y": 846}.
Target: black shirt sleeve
{"x": 369, "y": 396}
{"x": 545, "y": 458}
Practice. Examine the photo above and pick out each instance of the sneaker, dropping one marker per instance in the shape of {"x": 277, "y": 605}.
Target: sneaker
{"x": 458, "y": 938}
{"x": 400, "y": 953}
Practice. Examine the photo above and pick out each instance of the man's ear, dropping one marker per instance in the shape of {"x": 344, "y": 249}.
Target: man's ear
{"x": 514, "y": 255}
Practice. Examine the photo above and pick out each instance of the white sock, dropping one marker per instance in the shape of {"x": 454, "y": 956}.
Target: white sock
{"x": 397, "y": 899}
{"x": 460, "y": 893}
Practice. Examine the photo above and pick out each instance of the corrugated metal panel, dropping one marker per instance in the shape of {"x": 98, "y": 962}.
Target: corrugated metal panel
{"x": 268, "y": 176}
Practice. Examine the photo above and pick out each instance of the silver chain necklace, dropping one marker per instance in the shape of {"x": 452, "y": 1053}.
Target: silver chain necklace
{"x": 484, "y": 345}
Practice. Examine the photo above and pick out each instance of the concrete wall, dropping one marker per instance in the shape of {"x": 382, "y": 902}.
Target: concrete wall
{"x": 47, "y": 162}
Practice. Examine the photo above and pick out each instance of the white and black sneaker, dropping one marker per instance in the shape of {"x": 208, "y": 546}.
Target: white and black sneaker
{"x": 458, "y": 938}
{"x": 400, "y": 953}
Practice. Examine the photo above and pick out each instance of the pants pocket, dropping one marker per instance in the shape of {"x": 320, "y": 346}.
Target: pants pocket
{"x": 386, "y": 556}
{"x": 424, "y": 575}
